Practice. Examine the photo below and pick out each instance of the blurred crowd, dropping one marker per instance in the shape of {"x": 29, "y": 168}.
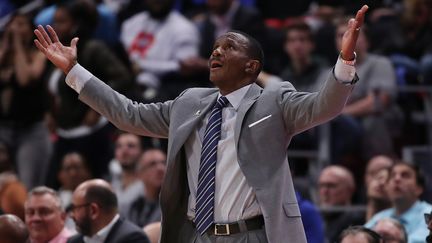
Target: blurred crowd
{"x": 52, "y": 146}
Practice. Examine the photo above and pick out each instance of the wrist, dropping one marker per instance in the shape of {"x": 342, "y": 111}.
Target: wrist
{"x": 349, "y": 61}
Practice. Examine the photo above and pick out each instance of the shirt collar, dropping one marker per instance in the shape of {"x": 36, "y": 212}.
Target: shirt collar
{"x": 236, "y": 96}
{"x": 102, "y": 234}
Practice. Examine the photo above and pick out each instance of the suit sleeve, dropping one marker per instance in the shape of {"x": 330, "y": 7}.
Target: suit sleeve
{"x": 305, "y": 110}
{"x": 142, "y": 119}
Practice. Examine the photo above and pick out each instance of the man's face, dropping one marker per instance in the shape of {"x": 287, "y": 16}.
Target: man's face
{"x": 80, "y": 213}
{"x": 333, "y": 189}
{"x": 298, "y": 44}
{"x": 375, "y": 165}
{"x": 152, "y": 167}
{"x": 73, "y": 172}
{"x": 388, "y": 231}
{"x": 402, "y": 185}
{"x": 43, "y": 217}
{"x": 228, "y": 60}
{"x": 127, "y": 150}
{"x": 377, "y": 185}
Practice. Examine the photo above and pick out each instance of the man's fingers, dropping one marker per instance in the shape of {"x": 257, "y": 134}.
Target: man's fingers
{"x": 53, "y": 33}
{"x": 40, "y": 46}
{"x": 360, "y": 15}
{"x": 41, "y": 38}
{"x": 45, "y": 35}
{"x": 74, "y": 42}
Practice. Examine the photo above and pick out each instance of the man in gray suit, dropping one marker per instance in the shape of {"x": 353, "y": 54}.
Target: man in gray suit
{"x": 227, "y": 177}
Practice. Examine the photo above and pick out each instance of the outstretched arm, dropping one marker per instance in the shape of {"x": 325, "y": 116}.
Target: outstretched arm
{"x": 63, "y": 57}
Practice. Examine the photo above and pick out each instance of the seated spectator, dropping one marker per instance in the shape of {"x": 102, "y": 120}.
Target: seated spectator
{"x": 303, "y": 68}
{"x": 13, "y": 229}
{"x": 79, "y": 128}
{"x": 24, "y": 101}
{"x": 336, "y": 187}
{"x": 73, "y": 171}
{"x": 377, "y": 197}
{"x": 375, "y": 165}
{"x": 312, "y": 221}
{"x": 12, "y": 192}
{"x": 404, "y": 187}
{"x": 156, "y": 41}
{"x": 372, "y": 102}
{"x": 391, "y": 231}
{"x": 95, "y": 212}
{"x": 123, "y": 175}
{"x": 428, "y": 220}
{"x": 151, "y": 169}
{"x": 45, "y": 217}
{"x": 359, "y": 234}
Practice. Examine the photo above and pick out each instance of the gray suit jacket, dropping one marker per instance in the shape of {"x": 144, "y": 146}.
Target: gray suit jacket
{"x": 261, "y": 148}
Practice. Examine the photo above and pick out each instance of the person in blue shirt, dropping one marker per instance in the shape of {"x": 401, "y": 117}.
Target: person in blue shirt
{"x": 405, "y": 186}
{"x": 312, "y": 221}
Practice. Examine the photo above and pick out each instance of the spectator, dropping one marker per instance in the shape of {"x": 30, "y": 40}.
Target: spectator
{"x": 74, "y": 171}
{"x": 428, "y": 220}
{"x": 79, "y": 128}
{"x": 336, "y": 187}
{"x": 312, "y": 221}
{"x": 12, "y": 192}
{"x": 151, "y": 170}
{"x": 391, "y": 231}
{"x": 372, "y": 103}
{"x": 24, "y": 101}
{"x": 45, "y": 217}
{"x": 359, "y": 234}
{"x": 303, "y": 69}
{"x": 377, "y": 197}
{"x": 156, "y": 41}
{"x": 375, "y": 165}
{"x": 94, "y": 211}
{"x": 404, "y": 187}
{"x": 123, "y": 176}
{"x": 12, "y": 229}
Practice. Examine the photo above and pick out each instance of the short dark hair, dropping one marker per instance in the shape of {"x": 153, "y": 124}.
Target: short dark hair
{"x": 299, "y": 26}
{"x": 254, "y": 49}
{"x": 103, "y": 197}
{"x": 372, "y": 236}
{"x": 420, "y": 178}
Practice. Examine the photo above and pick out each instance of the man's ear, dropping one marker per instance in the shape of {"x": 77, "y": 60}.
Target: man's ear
{"x": 252, "y": 66}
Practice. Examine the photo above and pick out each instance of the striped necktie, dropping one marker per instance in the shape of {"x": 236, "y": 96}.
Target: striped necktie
{"x": 204, "y": 215}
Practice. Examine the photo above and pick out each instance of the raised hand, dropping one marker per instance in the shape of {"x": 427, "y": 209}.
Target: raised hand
{"x": 350, "y": 36}
{"x": 63, "y": 57}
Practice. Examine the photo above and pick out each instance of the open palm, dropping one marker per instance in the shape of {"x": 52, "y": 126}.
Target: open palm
{"x": 61, "y": 56}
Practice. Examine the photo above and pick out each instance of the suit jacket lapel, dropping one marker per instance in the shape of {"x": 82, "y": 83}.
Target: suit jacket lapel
{"x": 251, "y": 96}
{"x": 184, "y": 131}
